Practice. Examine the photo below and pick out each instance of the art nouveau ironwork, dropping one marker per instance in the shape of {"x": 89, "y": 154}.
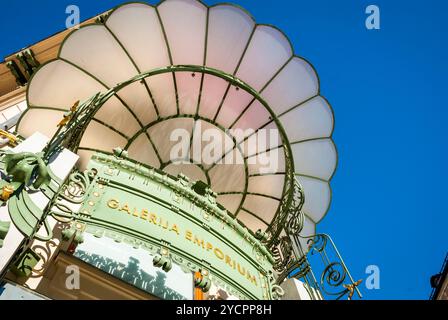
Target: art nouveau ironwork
{"x": 257, "y": 83}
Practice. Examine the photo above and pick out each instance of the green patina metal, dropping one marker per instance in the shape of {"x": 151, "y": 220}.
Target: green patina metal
{"x": 26, "y": 166}
{"x": 4, "y": 228}
{"x": 163, "y": 262}
{"x": 73, "y": 234}
{"x": 24, "y": 266}
{"x": 203, "y": 282}
{"x": 26, "y": 173}
{"x": 70, "y": 135}
{"x": 25, "y": 214}
{"x": 24, "y": 169}
{"x": 335, "y": 280}
{"x": 193, "y": 205}
{"x": 176, "y": 220}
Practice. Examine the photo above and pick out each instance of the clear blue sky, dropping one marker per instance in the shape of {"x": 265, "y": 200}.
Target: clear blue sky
{"x": 387, "y": 88}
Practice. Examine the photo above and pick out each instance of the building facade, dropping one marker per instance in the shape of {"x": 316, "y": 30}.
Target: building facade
{"x": 177, "y": 151}
{"x": 439, "y": 283}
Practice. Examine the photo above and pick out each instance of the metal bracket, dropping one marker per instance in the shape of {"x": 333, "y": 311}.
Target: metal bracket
{"x": 17, "y": 73}
{"x": 28, "y": 61}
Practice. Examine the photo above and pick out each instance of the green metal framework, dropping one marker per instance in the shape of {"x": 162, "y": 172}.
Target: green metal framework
{"x": 273, "y": 228}
{"x": 69, "y": 136}
{"x": 116, "y": 174}
{"x": 282, "y": 234}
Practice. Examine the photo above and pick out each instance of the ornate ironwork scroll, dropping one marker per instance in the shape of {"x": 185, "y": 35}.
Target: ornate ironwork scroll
{"x": 290, "y": 218}
{"x": 75, "y": 122}
{"x": 282, "y": 246}
{"x": 295, "y": 261}
{"x": 335, "y": 281}
{"x": 73, "y": 192}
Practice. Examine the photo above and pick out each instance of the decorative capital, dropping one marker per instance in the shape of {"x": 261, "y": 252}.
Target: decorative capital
{"x": 261, "y": 235}
{"x": 163, "y": 260}
{"x": 120, "y": 153}
{"x": 202, "y": 281}
{"x": 74, "y": 234}
{"x": 277, "y": 292}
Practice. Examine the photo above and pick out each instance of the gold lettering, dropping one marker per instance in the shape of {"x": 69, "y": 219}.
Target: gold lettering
{"x": 126, "y": 208}
{"x": 164, "y": 226}
{"x": 199, "y": 242}
{"x": 175, "y": 229}
{"x": 228, "y": 261}
{"x": 251, "y": 278}
{"x": 153, "y": 218}
{"x": 242, "y": 272}
{"x": 113, "y": 204}
{"x": 219, "y": 254}
{"x": 144, "y": 214}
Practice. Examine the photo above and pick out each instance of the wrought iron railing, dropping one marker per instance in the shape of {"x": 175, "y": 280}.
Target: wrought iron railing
{"x": 335, "y": 281}
{"x": 296, "y": 258}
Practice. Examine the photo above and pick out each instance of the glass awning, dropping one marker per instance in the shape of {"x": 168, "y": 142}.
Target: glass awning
{"x": 140, "y": 117}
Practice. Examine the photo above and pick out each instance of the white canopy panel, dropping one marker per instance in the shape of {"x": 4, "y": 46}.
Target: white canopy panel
{"x": 142, "y": 117}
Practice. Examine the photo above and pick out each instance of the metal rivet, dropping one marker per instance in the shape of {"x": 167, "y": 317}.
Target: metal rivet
{"x": 91, "y": 203}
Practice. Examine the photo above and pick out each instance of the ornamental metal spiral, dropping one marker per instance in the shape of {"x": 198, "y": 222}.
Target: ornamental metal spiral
{"x": 296, "y": 217}
{"x": 332, "y": 278}
{"x": 283, "y": 254}
{"x": 316, "y": 243}
{"x": 335, "y": 280}
{"x": 74, "y": 191}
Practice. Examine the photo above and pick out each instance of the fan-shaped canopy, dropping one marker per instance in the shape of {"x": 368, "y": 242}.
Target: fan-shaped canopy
{"x": 284, "y": 99}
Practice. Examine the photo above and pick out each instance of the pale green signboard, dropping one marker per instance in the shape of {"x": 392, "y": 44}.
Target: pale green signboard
{"x": 163, "y": 214}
